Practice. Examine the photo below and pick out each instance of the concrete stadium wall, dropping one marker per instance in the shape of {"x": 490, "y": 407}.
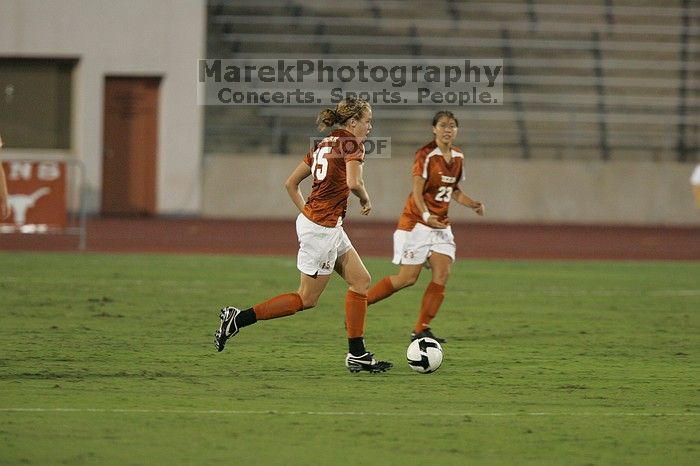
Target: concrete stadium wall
{"x": 535, "y": 191}
{"x": 126, "y": 37}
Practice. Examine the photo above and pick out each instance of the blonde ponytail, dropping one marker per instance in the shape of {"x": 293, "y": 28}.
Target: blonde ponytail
{"x": 346, "y": 109}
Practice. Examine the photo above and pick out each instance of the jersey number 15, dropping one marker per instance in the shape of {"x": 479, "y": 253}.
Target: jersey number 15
{"x": 320, "y": 166}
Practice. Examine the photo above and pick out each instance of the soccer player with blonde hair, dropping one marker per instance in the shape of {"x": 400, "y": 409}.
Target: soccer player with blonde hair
{"x": 336, "y": 166}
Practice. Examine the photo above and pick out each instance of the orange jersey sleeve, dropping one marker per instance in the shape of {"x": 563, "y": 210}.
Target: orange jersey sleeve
{"x": 328, "y": 201}
{"x": 441, "y": 179}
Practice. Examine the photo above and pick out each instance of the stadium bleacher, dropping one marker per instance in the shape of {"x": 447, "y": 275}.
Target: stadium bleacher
{"x": 584, "y": 80}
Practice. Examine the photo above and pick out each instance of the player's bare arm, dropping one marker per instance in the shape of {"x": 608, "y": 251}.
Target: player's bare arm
{"x": 4, "y": 195}
{"x": 353, "y": 175}
{"x": 292, "y": 184}
{"x": 476, "y": 206}
{"x": 418, "y": 185}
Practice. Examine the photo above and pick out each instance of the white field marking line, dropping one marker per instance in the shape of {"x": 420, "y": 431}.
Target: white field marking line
{"x": 563, "y": 293}
{"x": 675, "y": 293}
{"x": 329, "y": 413}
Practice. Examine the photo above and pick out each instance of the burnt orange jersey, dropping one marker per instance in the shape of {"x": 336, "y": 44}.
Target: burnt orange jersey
{"x": 441, "y": 179}
{"x": 328, "y": 200}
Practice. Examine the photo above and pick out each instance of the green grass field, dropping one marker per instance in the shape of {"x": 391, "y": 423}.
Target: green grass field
{"x": 109, "y": 360}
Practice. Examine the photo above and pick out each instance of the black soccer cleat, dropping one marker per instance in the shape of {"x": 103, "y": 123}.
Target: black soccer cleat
{"x": 426, "y": 334}
{"x": 227, "y": 328}
{"x": 366, "y": 362}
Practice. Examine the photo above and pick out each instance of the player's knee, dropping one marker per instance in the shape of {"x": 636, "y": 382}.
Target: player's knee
{"x": 364, "y": 284}
{"x": 440, "y": 277}
{"x": 308, "y": 300}
{"x": 360, "y": 283}
{"x": 410, "y": 280}
{"x": 406, "y": 281}
{"x": 308, "y": 303}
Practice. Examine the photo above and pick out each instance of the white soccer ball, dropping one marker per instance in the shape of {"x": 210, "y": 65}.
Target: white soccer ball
{"x": 424, "y": 355}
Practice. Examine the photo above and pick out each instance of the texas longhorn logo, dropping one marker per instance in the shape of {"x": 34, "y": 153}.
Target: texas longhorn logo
{"x": 20, "y": 203}
{"x": 37, "y": 195}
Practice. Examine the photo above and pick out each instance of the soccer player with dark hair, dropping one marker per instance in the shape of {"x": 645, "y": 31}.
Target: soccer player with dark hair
{"x": 424, "y": 234}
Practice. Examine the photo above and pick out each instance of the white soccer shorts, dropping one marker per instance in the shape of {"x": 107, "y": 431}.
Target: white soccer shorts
{"x": 319, "y": 246}
{"x": 415, "y": 246}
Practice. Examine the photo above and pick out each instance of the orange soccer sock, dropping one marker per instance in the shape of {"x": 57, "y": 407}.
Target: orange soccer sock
{"x": 355, "y": 311}
{"x": 382, "y": 290}
{"x": 279, "y": 306}
{"x": 432, "y": 299}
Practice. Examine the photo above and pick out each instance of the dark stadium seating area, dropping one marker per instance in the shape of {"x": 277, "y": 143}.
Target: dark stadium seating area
{"x": 585, "y": 79}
